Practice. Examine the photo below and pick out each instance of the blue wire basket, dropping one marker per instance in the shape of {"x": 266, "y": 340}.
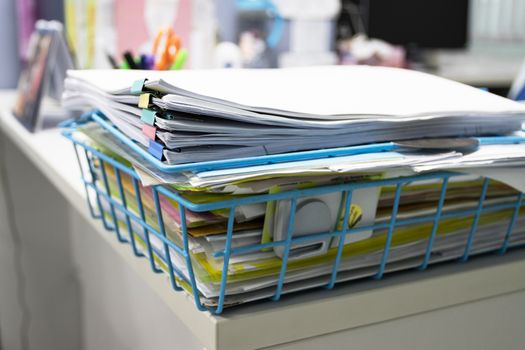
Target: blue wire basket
{"x": 123, "y": 213}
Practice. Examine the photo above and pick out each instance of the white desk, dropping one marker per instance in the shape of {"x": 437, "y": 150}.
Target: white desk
{"x": 117, "y": 302}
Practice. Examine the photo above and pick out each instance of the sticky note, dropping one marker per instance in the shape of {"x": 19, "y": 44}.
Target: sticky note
{"x": 155, "y": 149}
{"x": 137, "y": 86}
{"x": 149, "y": 131}
{"x": 148, "y": 116}
{"x": 144, "y": 100}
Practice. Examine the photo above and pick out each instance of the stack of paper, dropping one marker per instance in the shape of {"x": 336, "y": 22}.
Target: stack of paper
{"x": 252, "y": 276}
{"x": 209, "y": 115}
{"x": 198, "y": 116}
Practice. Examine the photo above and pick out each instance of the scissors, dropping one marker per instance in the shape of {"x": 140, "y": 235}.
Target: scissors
{"x": 165, "y": 48}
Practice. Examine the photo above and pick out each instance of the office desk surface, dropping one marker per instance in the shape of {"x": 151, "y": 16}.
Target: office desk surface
{"x": 297, "y": 316}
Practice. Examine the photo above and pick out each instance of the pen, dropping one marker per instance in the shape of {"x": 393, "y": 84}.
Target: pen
{"x": 147, "y": 61}
{"x": 180, "y": 59}
{"x": 112, "y": 61}
{"x": 128, "y": 57}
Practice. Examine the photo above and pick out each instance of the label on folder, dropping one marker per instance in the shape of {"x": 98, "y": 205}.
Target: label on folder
{"x": 148, "y": 116}
{"x": 155, "y": 149}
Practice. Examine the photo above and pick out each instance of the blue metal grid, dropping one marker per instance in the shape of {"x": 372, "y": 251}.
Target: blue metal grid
{"x": 87, "y": 157}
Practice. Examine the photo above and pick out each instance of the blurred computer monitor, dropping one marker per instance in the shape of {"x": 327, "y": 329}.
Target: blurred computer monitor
{"x": 418, "y": 24}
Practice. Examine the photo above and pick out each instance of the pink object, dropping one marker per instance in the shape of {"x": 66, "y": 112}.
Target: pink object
{"x": 171, "y": 210}
{"x": 182, "y": 25}
{"x": 26, "y": 24}
{"x": 149, "y": 131}
{"x": 131, "y": 29}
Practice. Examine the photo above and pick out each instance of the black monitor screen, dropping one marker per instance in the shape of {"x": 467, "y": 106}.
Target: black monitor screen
{"x": 422, "y": 23}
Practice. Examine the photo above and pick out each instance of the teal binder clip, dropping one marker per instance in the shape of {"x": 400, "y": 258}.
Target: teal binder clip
{"x": 137, "y": 86}
{"x": 148, "y": 116}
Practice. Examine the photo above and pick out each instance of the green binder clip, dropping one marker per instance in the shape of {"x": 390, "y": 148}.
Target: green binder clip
{"x": 148, "y": 116}
{"x": 137, "y": 86}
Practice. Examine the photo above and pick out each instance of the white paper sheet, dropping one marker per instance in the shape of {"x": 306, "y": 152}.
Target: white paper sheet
{"x": 327, "y": 90}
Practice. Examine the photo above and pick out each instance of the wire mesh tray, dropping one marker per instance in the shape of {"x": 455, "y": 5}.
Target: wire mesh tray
{"x": 137, "y": 216}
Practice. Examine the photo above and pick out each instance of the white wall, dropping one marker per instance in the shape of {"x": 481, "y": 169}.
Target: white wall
{"x": 498, "y": 21}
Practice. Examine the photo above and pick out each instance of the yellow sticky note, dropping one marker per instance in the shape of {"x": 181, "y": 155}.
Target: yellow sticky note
{"x": 144, "y": 100}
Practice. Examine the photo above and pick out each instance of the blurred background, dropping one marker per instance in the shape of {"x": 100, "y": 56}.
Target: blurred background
{"x": 478, "y": 42}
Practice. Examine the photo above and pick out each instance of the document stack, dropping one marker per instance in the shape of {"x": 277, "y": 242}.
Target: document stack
{"x": 247, "y": 184}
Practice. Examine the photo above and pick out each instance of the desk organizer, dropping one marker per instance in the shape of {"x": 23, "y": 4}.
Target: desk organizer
{"x": 121, "y": 208}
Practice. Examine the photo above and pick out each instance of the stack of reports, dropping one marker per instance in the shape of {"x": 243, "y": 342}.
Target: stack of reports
{"x": 200, "y": 116}
{"x": 195, "y": 116}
